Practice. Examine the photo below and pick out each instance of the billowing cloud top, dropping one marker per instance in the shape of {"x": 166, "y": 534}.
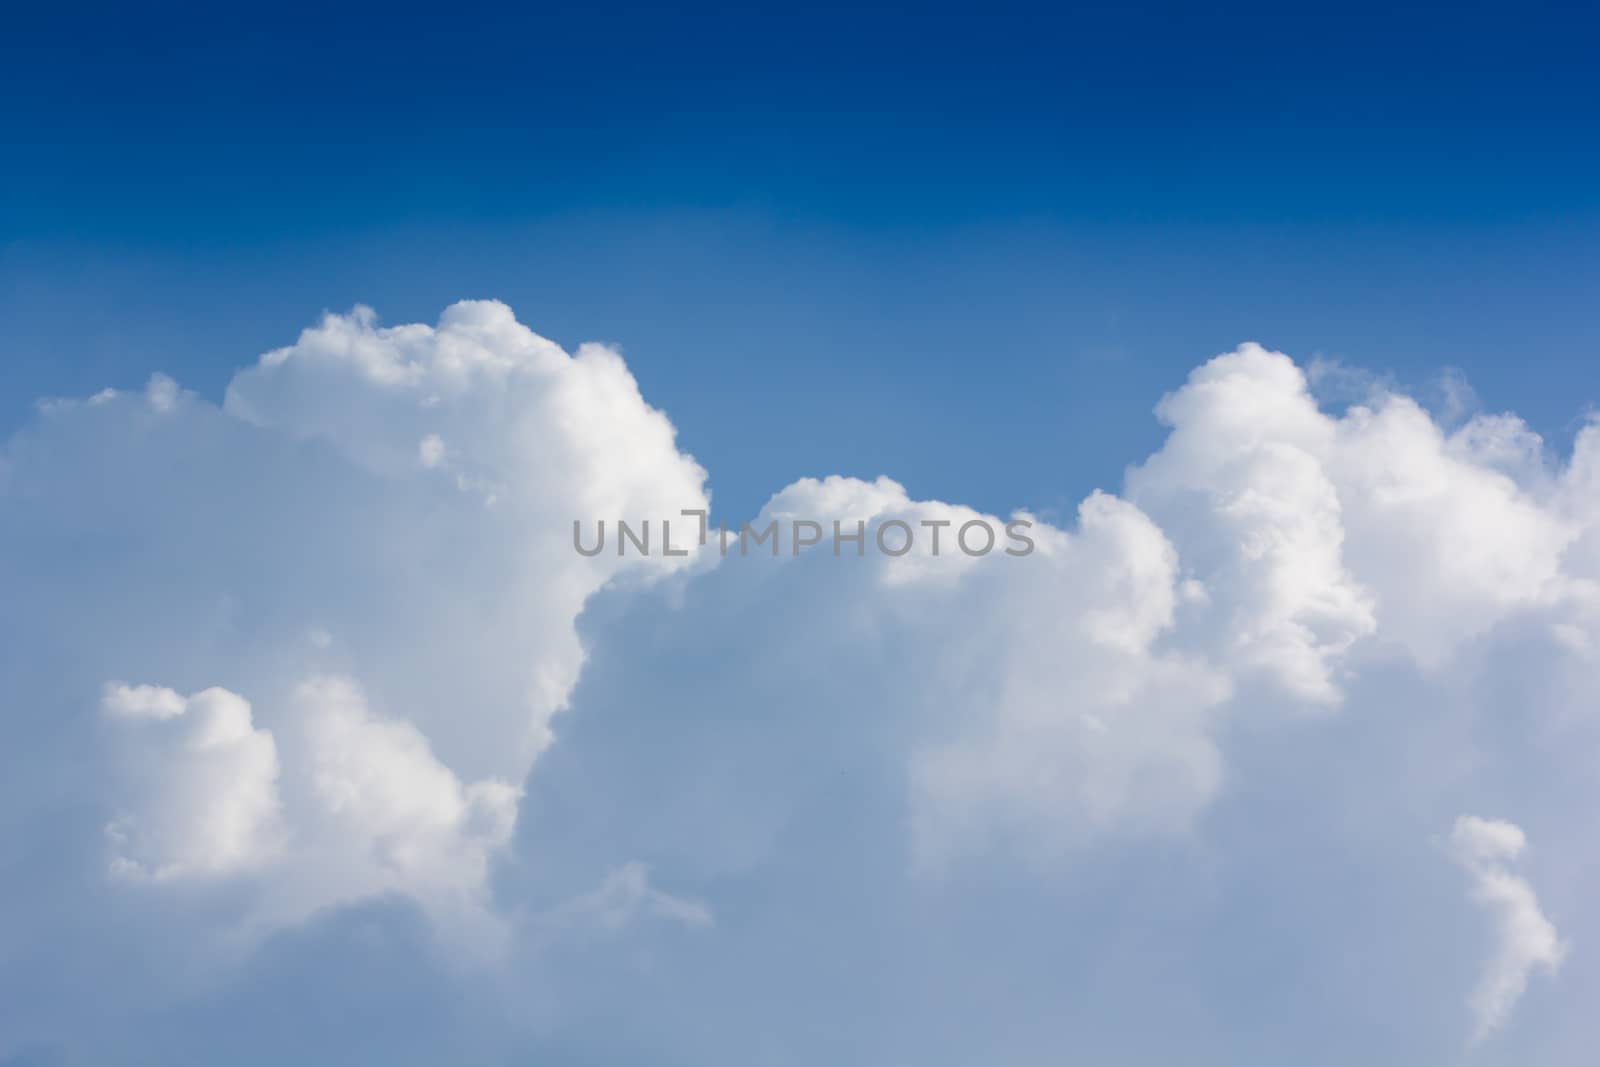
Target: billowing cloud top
{"x": 324, "y": 657}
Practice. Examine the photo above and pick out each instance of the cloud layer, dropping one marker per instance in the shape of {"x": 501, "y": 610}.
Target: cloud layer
{"x": 326, "y": 651}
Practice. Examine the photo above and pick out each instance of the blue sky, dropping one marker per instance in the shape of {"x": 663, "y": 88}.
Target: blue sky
{"x": 867, "y": 214}
{"x": 318, "y": 743}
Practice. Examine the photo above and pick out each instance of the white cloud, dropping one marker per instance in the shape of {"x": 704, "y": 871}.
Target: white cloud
{"x": 1065, "y": 718}
{"x": 1242, "y": 483}
{"x": 162, "y": 393}
{"x": 359, "y": 808}
{"x": 431, "y": 451}
{"x": 1524, "y": 939}
{"x": 199, "y": 789}
{"x": 1266, "y": 540}
{"x": 301, "y": 508}
{"x": 143, "y": 702}
{"x": 1030, "y": 696}
{"x": 368, "y": 545}
{"x": 1315, "y": 532}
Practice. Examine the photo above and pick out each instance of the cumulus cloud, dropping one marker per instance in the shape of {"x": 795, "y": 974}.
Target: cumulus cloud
{"x": 1524, "y": 939}
{"x": 201, "y": 798}
{"x": 404, "y": 685}
{"x": 369, "y": 810}
{"x": 527, "y": 436}
{"x": 1317, "y": 532}
{"x": 434, "y": 578}
{"x": 1027, "y": 699}
{"x": 1243, "y": 481}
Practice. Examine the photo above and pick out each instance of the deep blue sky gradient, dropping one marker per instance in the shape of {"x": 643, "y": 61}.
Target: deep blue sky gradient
{"x": 828, "y": 240}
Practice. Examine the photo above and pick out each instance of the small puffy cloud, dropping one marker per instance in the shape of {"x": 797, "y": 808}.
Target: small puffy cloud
{"x": 342, "y": 804}
{"x": 161, "y": 393}
{"x": 198, "y": 790}
{"x": 1524, "y": 939}
{"x": 431, "y": 451}
{"x": 379, "y": 782}
{"x": 143, "y": 702}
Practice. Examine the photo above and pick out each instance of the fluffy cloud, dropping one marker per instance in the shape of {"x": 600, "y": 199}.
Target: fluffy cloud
{"x": 1243, "y": 483}
{"x": 204, "y": 793}
{"x": 409, "y": 692}
{"x": 1316, "y": 532}
{"x": 509, "y": 439}
{"x": 376, "y": 518}
{"x": 1525, "y": 940}
{"x": 1047, "y": 710}
{"x": 370, "y": 810}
